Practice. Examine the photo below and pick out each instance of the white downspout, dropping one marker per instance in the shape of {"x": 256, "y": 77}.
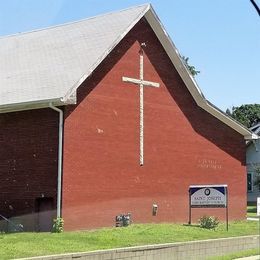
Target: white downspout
{"x": 59, "y": 158}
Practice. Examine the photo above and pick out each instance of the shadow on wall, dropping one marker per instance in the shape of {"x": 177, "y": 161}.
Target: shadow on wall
{"x": 201, "y": 121}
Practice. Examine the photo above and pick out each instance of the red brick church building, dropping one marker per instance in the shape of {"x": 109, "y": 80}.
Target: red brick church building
{"x": 78, "y": 142}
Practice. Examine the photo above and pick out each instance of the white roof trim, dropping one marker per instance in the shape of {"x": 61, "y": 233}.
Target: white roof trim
{"x": 104, "y": 55}
{"x": 189, "y": 81}
{"x": 172, "y": 52}
{"x": 31, "y": 105}
{"x": 255, "y": 128}
{"x": 66, "y": 93}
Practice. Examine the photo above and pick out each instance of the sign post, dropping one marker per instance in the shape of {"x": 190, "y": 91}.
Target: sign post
{"x": 227, "y": 208}
{"x": 208, "y": 196}
{"x": 258, "y": 206}
{"x": 258, "y": 215}
{"x": 189, "y": 208}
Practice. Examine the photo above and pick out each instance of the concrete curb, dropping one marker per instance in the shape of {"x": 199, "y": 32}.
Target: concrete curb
{"x": 255, "y": 257}
{"x": 200, "y": 249}
{"x": 253, "y": 218}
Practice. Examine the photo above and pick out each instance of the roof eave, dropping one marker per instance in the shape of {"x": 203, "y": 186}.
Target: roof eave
{"x": 172, "y": 52}
{"x": 188, "y": 79}
{"x": 74, "y": 88}
{"x": 70, "y": 96}
{"x": 33, "y": 105}
{"x": 216, "y": 112}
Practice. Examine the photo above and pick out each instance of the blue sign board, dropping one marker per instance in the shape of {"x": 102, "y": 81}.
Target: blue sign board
{"x": 208, "y": 196}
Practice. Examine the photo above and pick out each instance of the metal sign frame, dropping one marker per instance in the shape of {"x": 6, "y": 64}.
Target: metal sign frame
{"x": 209, "y": 196}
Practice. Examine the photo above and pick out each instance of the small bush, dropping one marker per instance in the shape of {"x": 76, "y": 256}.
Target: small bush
{"x": 208, "y": 222}
{"x": 58, "y": 225}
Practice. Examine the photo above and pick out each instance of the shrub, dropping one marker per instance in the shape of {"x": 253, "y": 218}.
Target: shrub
{"x": 58, "y": 225}
{"x": 208, "y": 222}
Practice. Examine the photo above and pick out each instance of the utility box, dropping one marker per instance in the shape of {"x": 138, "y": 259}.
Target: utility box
{"x": 123, "y": 220}
{"x": 154, "y": 209}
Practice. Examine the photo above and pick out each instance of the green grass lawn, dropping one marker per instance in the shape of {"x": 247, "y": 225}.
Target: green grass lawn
{"x": 251, "y": 211}
{"x": 33, "y": 244}
{"x": 241, "y": 254}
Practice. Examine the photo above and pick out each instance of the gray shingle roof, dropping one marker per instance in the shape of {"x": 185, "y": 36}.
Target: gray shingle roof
{"x": 46, "y": 64}
{"x": 256, "y": 128}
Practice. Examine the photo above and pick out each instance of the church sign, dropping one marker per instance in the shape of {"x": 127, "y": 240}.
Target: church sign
{"x": 208, "y": 196}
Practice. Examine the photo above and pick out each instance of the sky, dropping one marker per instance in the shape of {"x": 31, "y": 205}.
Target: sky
{"x": 221, "y": 37}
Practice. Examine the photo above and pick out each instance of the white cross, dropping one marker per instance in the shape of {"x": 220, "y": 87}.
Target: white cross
{"x": 141, "y": 82}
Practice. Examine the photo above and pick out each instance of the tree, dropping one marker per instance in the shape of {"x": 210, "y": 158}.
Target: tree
{"x": 191, "y": 68}
{"x": 248, "y": 115}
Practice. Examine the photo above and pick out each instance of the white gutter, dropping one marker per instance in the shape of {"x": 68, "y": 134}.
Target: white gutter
{"x": 30, "y": 105}
{"x": 59, "y": 158}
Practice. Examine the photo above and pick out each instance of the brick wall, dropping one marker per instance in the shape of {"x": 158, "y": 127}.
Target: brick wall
{"x": 28, "y": 164}
{"x": 183, "y": 144}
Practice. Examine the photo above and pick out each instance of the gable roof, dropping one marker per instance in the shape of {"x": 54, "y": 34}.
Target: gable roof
{"x": 44, "y": 65}
{"x": 256, "y": 128}
{"x": 48, "y": 65}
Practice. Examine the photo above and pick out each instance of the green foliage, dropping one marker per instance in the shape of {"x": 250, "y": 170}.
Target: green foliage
{"x": 251, "y": 211}
{"x": 58, "y": 225}
{"x": 191, "y": 68}
{"x": 248, "y": 115}
{"x": 208, "y": 222}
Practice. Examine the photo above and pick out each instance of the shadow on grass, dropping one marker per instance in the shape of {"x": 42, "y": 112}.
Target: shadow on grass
{"x": 191, "y": 225}
{"x": 251, "y": 209}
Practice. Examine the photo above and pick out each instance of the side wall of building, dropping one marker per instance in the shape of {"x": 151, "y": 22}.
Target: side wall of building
{"x": 28, "y": 165}
{"x": 183, "y": 144}
{"x": 253, "y": 170}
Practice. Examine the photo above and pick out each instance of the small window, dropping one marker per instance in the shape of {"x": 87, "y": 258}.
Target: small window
{"x": 249, "y": 182}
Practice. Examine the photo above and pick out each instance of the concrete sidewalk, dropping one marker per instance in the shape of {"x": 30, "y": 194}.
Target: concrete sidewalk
{"x": 255, "y": 257}
{"x": 253, "y": 218}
